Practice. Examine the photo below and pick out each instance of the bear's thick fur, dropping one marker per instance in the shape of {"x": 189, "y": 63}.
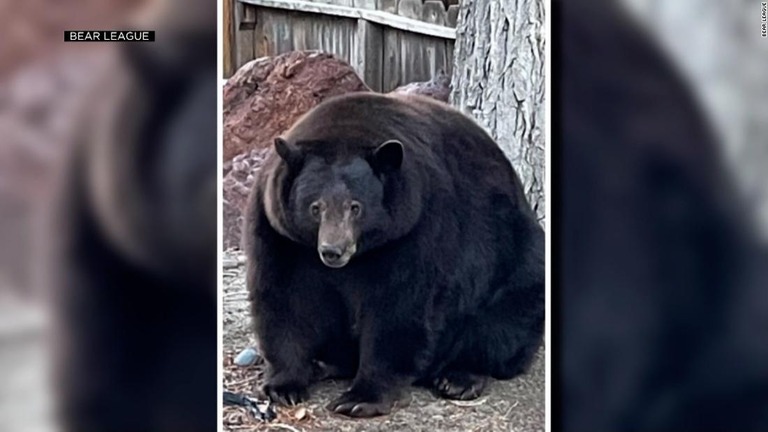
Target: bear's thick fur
{"x": 659, "y": 277}
{"x": 389, "y": 240}
{"x": 134, "y": 267}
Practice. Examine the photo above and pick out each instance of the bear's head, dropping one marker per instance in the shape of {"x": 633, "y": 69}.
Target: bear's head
{"x": 336, "y": 201}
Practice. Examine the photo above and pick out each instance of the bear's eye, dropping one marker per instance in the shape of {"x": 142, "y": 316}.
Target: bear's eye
{"x": 355, "y": 209}
{"x": 314, "y": 209}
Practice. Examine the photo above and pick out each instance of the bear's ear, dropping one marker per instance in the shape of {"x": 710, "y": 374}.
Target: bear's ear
{"x": 388, "y": 156}
{"x": 291, "y": 156}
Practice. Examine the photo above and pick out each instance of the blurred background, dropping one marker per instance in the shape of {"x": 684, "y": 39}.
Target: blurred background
{"x": 47, "y": 111}
{"x": 42, "y": 81}
{"x": 720, "y": 52}
{"x": 659, "y": 159}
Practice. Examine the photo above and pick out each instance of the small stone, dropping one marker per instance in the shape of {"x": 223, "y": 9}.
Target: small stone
{"x": 247, "y": 357}
{"x": 439, "y": 87}
{"x": 300, "y": 414}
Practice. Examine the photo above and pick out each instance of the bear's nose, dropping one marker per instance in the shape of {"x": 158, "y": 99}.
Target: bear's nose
{"x": 330, "y": 253}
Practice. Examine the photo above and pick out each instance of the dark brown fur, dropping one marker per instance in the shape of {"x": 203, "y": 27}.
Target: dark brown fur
{"x": 446, "y": 286}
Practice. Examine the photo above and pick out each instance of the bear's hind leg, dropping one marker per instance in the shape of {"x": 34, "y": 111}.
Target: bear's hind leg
{"x": 500, "y": 343}
{"x": 509, "y": 336}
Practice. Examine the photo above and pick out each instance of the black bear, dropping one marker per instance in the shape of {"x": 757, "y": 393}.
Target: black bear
{"x": 389, "y": 240}
{"x": 661, "y": 276}
{"x": 134, "y": 267}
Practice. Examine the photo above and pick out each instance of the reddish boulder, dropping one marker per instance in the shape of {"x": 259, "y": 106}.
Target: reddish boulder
{"x": 265, "y": 96}
{"x": 237, "y": 184}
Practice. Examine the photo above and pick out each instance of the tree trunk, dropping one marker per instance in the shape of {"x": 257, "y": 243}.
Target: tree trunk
{"x": 498, "y": 78}
{"x": 719, "y": 48}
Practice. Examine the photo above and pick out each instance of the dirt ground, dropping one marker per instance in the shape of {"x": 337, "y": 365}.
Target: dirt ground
{"x": 515, "y": 405}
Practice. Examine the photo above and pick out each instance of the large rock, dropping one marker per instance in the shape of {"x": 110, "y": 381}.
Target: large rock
{"x": 265, "y": 96}
{"x": 439, "y": 87}
{"x": 237, "y": 185}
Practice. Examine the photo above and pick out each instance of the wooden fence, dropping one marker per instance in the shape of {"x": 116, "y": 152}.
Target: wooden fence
{"x": 388, "y": 42}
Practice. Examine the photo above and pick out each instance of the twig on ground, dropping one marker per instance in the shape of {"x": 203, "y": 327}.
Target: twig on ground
{"x": 242, "y": 381}
{"x": 469, "y": 403}
{"x": 509, "y": 411}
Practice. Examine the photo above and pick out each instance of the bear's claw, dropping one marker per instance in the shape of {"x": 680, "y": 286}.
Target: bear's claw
{"x": 460, "y": 386}
{"x": 353, "y": 405}
{"x": 286, "y": 393}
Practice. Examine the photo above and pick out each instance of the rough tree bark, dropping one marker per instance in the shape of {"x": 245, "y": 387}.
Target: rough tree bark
{"x": 498, "y": 79}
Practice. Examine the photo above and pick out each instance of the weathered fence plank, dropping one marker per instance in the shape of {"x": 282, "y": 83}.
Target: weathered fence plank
{"x": 447, "y": 58}
{"x": 229, "y": 34}
{"x": 391, "y": 74}
{"x": 369, "y": 55}
{"x": 386, "y": 50}
{"x": 452, "y": 16}
{"x": 383, "y": 18}
{"x": 245, "y": 22}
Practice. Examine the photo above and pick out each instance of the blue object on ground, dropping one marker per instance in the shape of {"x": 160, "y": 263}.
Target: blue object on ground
{"x": 247, "y": 357}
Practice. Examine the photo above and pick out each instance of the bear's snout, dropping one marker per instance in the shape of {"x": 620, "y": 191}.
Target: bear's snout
{"x": 331, "y": 253}
{"x": 335, "y": 256}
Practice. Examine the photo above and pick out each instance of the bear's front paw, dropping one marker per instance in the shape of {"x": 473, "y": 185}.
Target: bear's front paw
{"x": 362, "y": 404}
{"x": 285, "y": 391}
